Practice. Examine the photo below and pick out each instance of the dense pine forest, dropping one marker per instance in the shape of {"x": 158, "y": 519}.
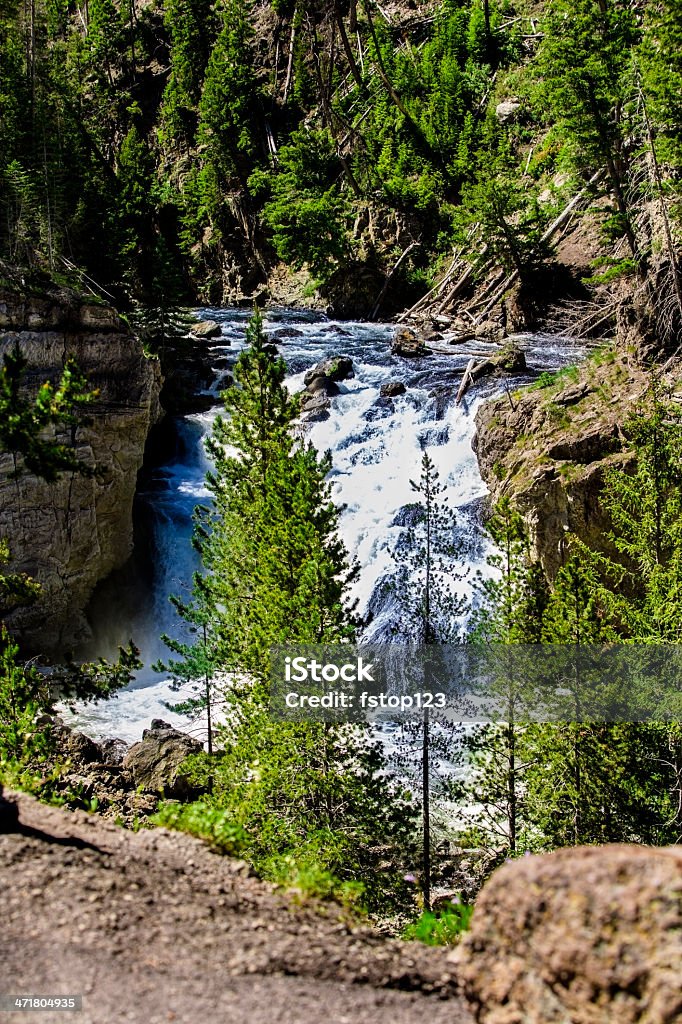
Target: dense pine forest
{"x": 199, "y": 144}
{"x": 495, "y": 164}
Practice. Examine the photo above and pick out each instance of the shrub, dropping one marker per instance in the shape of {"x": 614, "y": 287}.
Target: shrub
{"x": 444, "y": 928}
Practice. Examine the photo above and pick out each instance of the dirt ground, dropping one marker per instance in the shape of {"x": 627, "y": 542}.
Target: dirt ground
{"x": 152, "y": 928}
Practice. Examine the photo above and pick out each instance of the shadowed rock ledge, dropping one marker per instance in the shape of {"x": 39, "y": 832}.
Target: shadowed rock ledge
{"x": 72, "y": 533}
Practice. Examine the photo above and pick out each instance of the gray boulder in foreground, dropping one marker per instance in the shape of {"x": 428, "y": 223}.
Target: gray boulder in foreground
{"x": 591, "y": 935}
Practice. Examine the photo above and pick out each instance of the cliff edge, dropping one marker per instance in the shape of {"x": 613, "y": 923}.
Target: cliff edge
{"x": 70, "y": 534}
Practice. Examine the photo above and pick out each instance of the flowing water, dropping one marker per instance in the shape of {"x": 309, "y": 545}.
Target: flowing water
{"x": 376, "y": 446}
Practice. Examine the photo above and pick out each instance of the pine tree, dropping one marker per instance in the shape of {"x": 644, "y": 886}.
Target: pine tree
{"x": 311, "y": 797}
{"x": 511, "y": 613}
{"x": 583, "y": 61}
{"x": 428, "y": 609}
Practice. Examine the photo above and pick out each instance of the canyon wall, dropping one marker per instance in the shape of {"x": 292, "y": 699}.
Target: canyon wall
{"x": 547, "y": 448}
{"x": 70, "y": 534}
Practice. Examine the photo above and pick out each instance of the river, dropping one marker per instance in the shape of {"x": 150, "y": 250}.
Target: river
{"x": 376, "y": 447}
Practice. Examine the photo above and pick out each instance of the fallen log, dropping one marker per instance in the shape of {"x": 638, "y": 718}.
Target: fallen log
{"x": 508, "y": 360}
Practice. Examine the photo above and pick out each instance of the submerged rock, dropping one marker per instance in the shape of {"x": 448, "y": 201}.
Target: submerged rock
{"x": 284, "y": 333}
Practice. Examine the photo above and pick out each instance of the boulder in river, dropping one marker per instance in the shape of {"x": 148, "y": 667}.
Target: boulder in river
{"x": 408, "y": 344}
{"x": 333, "y": 368}
{"x": 323, "y": 386}
{"x": 206, "y": 329}
{"x": 315, "y": 407}
{"x": 155, "y": 762}
{"x": 285, "y": 333}
{"x": 392, "y": 388}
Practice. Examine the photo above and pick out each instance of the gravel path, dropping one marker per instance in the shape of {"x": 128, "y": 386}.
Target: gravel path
{"x": 152, "y": 928}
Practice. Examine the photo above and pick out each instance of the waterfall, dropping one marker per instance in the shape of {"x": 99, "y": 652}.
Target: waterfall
{"x": 376, "y": 447}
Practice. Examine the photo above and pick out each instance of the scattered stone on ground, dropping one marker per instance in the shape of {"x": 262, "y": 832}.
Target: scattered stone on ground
{"x": 588, "y": 936}
{"x": 152, "y": 927}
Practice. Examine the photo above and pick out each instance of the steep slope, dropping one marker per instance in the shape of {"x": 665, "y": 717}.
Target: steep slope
{"x": 151, "y": 927}
{"x": 70, "y": 534}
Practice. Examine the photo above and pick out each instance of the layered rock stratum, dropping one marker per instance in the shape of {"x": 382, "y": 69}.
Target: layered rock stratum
{"x": 70, "y": 534}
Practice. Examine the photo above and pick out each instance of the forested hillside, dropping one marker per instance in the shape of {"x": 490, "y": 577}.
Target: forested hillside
{"x": 184, "y": 148}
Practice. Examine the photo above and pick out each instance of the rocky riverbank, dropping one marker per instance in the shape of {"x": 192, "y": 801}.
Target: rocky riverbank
{"x": 547, "y": 448}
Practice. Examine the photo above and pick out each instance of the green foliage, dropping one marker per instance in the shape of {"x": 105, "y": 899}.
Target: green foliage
{"x": 307, "y": 211}
{"x": 24, "y": 419}
{"x": 204, "y": 821}
{"x": 24, "y": 697}
{"x": 303, "y": 876}
{"x": 444, "y": 928}
{"x": 550, "y": 379}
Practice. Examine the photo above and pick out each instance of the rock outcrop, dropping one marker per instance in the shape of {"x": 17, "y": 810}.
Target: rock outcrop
{"x": 588, "y": 936}
{"x": 547, "y": 449}
{"x": 70, "y": 534}
{"x": 408, "y": 344}
{"x": 155, "y": 762}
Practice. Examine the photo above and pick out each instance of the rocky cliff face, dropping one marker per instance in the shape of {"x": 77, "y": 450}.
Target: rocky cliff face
{"x": 547, "y": 448}
{"x": 70, "y": 534}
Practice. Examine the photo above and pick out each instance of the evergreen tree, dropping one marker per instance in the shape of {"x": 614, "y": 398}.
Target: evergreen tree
{"x": 583, "y": 61}
{"x": 511, "y": 613}
{"x": 428, "y": 611}
{"x": 310, "y": 797}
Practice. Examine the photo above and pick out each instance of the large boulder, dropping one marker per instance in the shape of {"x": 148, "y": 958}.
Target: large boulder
{"x": 315, "y": 406}
{"x": 591, "y": 935}
{"x": 206, "y": 329}
{"x": 155, "y": 763}
{"x": 508, "y": 109}
{"x": 333, "y": 368}
{"x": 408, "y": 344}
{"x": 392, "y": 388}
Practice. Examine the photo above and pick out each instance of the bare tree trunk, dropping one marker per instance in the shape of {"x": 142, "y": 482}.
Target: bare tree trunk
{"x": 352, "y": 63}
{"x": 290, "y": 64}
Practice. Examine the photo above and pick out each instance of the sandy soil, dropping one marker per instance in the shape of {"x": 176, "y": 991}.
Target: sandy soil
{"x": 152, "y": 927}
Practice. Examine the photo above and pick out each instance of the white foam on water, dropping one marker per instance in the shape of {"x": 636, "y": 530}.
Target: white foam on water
{"x": 376, "y": 446}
